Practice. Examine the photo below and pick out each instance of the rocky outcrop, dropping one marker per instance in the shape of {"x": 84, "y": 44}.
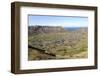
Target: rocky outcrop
{"x": 44, "y": 29}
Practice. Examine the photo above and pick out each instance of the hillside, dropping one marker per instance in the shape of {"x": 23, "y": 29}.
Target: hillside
{"x": 56, "y": 43}
{"x": 44, "y": 29}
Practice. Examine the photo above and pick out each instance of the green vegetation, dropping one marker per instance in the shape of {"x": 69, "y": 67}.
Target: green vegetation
{"x": 62, "y": 45}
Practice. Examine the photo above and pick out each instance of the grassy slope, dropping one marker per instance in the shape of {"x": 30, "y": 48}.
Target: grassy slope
{"x": 63, "y": 45}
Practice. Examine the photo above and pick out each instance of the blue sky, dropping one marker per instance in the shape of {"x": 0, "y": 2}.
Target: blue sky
{"x": 64, "y": 21}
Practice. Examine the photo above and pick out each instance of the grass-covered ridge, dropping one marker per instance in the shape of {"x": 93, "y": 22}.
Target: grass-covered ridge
{"x": 57, "y": 43}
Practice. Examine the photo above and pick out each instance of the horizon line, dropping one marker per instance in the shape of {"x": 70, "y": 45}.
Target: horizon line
{"x": 58, "y": 26}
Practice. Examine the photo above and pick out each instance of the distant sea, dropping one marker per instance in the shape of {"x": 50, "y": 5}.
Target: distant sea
{"x": 71, "y": 28}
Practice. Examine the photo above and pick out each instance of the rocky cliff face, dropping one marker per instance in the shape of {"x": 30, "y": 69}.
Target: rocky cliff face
{"x": 44, "y": 29}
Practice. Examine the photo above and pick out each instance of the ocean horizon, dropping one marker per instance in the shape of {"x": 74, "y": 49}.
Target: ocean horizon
{"x": 73, "y": 28}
